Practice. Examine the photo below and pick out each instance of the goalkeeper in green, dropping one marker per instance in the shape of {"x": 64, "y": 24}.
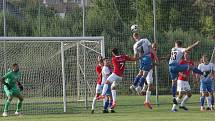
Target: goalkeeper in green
{"x": 11, "y": 81}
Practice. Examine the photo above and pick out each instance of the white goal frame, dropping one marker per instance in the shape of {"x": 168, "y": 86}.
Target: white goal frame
{"x": 62, "y": 40}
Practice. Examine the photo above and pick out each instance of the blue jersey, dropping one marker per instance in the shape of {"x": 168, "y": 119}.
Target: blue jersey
{"x": 142, "y": 47}
{"x": 176, "y": 55}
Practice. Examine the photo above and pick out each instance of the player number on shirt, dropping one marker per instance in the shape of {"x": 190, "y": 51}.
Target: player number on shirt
{"x": 173, "y": 55}
{"x": 121, "y": 65}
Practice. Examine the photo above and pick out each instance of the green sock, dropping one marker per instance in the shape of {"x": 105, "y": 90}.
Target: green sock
{"x": 6, "y": 105}
{"x": 18, "y": 106}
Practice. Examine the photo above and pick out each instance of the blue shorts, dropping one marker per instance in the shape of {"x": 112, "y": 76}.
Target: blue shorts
{"x": 206, "y": 86}
{"x": 145, "y": 63}
{"x": 175, "y": 68}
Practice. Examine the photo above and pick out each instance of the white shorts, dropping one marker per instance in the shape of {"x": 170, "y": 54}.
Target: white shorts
{"x": 149, "y": 77}
{"x": 183, "y": 86}
{"x": 113, "y": 77}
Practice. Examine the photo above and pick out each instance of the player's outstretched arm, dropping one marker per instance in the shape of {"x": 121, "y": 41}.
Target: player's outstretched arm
{"x": 133, "y": 58}
{"x": 191, "y": 46}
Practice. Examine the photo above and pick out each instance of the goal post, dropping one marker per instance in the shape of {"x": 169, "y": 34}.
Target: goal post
{"x": 57, "y": 72}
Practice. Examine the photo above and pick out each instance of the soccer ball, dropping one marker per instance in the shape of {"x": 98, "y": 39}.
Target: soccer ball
{"x": 134, "y": 28}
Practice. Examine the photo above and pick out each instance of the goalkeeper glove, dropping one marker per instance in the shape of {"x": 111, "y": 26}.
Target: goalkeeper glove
{"x": 8, "y": 86}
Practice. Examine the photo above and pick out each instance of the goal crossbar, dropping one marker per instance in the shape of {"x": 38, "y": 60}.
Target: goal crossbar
{"x": 51, "y": 39}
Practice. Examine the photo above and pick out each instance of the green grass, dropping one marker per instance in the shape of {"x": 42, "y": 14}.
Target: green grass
{"x": 130, "y": 108}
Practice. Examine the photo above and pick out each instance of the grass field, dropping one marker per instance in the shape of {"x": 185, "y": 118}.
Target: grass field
{"x": 130, "y": 108}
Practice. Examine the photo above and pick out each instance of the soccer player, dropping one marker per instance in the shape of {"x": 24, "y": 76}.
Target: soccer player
{"x": 183, "y": 86}
{"x": 148, "y": 85}
{"x": 99, "y": 81}
{"x": 106, "y": 71}
{"x": 118, "y": 62}
{"x": 177, "y": 53}
{"x": 143, "y": 51}
{"x": 206, "y": 82}
{"x": 10, "y": 81}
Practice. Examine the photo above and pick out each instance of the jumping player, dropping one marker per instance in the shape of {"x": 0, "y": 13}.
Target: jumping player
{"x": 142, "y": 51}
{"x": 10, "y": 81}
{"x": 177, "y": 53}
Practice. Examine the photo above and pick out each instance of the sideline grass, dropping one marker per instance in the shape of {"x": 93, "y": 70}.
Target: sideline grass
{"x": 130, "y": 109}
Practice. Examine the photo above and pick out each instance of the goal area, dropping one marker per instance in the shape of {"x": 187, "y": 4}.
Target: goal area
{"x": 58, "y": 73}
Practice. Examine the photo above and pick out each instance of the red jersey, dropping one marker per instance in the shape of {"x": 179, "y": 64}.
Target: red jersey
{"x": 119, "y": 64}
{"x": 187, "y": 72}
{"x": 99, "y": 73}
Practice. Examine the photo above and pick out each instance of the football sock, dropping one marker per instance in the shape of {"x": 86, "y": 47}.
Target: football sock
{"x": 148, "y": 94}
{"x": 113, "y": 92}
{"x": 174, "y": 90}
{"x": 106, "y": 104}
{"x": 110, "y": 103}
{"x": 142, "y": 81}
{"x": 184, "y": 100}
{"x": 93, "y": 103}
{"x": 202, "y": 100}
{"x": 209, "y": 101}
{"x": 6, "y": 106}
{"x": 212, "y": 100}
{"x": 18, "y": 106}
{"x": 136, "y": 80}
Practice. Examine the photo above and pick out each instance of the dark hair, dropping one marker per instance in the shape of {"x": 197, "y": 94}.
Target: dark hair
{"x": 179, "y": 43}
{"x": 115, "y": 51}
{"x": 15, "y": 64}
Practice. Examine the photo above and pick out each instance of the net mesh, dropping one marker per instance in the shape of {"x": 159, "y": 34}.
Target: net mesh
{"x": 41, "y": 69}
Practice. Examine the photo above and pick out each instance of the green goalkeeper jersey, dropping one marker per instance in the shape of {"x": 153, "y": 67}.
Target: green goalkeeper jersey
{"x": 12, "y": 78}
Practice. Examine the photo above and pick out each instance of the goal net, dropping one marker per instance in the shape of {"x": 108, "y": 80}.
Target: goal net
{"x": 58, "y": 73}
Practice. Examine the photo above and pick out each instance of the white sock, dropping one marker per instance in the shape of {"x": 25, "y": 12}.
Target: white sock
{"x": 97, "y": 88}
{"x": 93, "y": 103}
{"x": 104, "y": 100}
{"x": 174, "y": 106}
{"x": 144, "y": 87}
{"x": 113, "y": 95}
{"x": 148, "y": 94}
{"x": 178, "y": 99}
{"x": 209, "y": 101}
{"x": 184, "y": 100}
{"x": 104, "y": 89}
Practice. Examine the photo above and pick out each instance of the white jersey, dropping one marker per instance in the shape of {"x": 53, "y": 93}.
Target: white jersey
{"x": 206, "y": 69}
{"x": 142, "y": 47}
{"x": 176, "y": 55}
{"x": 105, "y": 73}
